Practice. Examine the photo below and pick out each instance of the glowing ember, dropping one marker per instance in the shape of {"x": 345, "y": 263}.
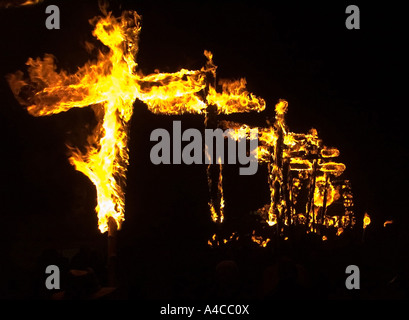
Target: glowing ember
{"x": 367, "y": 220}
{"x": 259, "y": 240}
{"x": 216, "y": 241}
{"x": 387, "y": 222}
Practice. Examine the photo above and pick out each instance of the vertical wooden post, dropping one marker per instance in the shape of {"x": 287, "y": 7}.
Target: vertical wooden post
{"x": 324, "y": 203}
{"x": 213, "y": 171}
{"x": 112, "y": 233}
{"x": 311, "y": 195}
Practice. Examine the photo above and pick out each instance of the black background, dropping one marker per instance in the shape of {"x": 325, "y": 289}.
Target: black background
{"x": 348, "y": 84}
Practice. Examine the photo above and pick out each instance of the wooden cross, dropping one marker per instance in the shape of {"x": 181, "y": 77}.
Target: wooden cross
{"x": 111, "y": 85}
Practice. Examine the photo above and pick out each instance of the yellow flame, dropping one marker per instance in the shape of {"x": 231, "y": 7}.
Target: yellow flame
{"x": 234, "y": 98}
{"x": 367, "y": 220}
{"x": 111, "y": 85}
{"x": 108, "y": 85}
{"x": 322, "y": 187}
{"x": 305, "y": 154}
{"x": 329, "y": 152}
{"x": 259, "y": 240}
{"x": 281, "y": 107}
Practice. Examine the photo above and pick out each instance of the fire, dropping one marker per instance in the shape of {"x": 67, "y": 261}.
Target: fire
{"x": 296, "y": 162}
{"x": 31, "y": 2}
{"x": 234, "y": 98}
{"x": 19, "y": 3}
{"x": 216, "y": 241}
{"x": 110, "y": 86}
{"x": 213, "y": 241}
{"x": 367, "y": 220}
{"x": 323, "y": 189}
{"x": 259, "y": 240}
{"x": 387, "y": 222}
{"x": 175, "y": 93}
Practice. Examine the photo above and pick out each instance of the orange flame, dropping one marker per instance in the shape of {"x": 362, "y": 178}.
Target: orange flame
{"x": 259, "y": 240}
{"x": 387, "y": 222}
{"x": 367, "y": 220}
{"x": 18, "y": 3}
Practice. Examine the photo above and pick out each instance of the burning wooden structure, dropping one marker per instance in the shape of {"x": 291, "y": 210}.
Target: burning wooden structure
{"x": 304, "y": 181}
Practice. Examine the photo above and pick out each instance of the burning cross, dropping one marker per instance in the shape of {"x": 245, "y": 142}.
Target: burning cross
{"x": 110, "y": 86}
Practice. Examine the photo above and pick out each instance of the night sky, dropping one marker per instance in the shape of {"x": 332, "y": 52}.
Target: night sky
{"x": 348, "y": 84}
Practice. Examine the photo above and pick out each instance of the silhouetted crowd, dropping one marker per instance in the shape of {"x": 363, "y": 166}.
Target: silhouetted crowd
{"x": 217, "y": 274}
